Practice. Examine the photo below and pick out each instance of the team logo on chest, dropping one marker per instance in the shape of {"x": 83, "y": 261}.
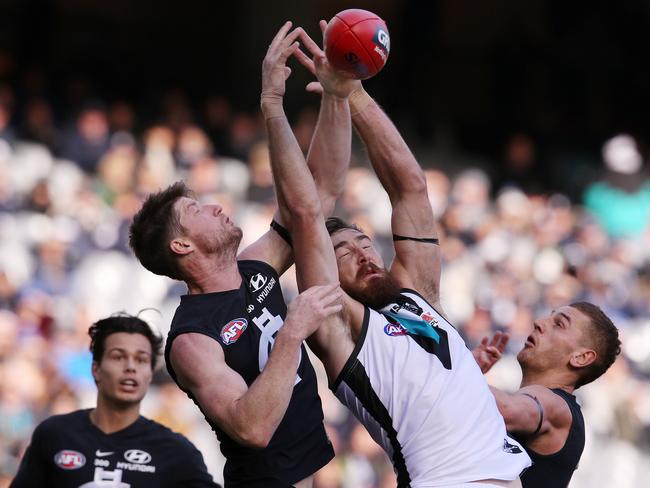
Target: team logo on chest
{"x": 394, "y": 329}
{"x": 69, "y": 459}
{"x": 233, "y": 331}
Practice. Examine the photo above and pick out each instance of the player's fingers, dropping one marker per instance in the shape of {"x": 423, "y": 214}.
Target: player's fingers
{"x": 484, "y": 341}
{"x": 332, "y": 309}
{"x": 309, "y": 43}
{"x": 314, "y": 87}
{"x": 323, "y": 25}
{"x": 287, "y": 72}
{"x": 320, "y": 291}
{"x": 493, "y": 351}
{"x": 505, "y": 338}
{"x": 305, "y": 60}
{"x": 495, "y": 338}
{"x": 292, "y": 36}
{"x": 284, "y": 55}
{"x": 281, "y": 34}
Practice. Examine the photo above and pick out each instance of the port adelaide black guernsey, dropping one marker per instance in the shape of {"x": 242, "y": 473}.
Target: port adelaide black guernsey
{"x": 245, "y": 322}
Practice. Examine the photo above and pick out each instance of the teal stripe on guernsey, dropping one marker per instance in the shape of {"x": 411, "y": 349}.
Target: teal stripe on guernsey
{"x": 416, "y": 327}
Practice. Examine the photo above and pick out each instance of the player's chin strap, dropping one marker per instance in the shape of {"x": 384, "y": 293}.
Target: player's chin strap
{"x": 427, "y": 240}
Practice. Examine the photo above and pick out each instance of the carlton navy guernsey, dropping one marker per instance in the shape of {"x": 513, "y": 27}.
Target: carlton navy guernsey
{"x": 244, "y": 322}
{"x": 69, "y": 451}
{"x": 557, "y": 469}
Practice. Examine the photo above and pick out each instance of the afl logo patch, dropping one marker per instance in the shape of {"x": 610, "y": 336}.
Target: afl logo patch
{"x": 394, "y": 330}
{"x": 69, "y": 459}
{"x": 233, "y": 330}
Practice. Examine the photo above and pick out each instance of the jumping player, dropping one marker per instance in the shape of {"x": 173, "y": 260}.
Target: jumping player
{"x": 391, "y": 357}
{"x": 570, "y": 348}
{"x": 230, "y": 347}
{"x": 112, "y": 445}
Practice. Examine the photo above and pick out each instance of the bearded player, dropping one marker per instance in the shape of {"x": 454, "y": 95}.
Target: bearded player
{"x": 391, "y": 357}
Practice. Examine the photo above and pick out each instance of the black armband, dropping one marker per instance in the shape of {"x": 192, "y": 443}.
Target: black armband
{"x": 540, "y": 408}
{"x": 416, "y": 239}
{"x": 284, "y": 233}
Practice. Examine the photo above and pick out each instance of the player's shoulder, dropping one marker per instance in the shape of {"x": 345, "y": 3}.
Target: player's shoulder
{"x": 66, "y": 421}
{"x": 162, "y": 435}
{"x": 249, "y": 267}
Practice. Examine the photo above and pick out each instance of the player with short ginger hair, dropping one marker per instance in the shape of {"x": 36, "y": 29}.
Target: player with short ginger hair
{"x": 112, "y": 444}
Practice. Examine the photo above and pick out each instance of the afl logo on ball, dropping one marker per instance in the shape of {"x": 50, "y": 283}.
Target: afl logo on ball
{"x": 69, "y": 459}
{"x": 233, "y": 331}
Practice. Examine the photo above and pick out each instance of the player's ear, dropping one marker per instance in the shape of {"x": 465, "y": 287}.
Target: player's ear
{"x": 95, "y": 370}
{"x": 583, "y": 357}
{"x": 181, "y": 245}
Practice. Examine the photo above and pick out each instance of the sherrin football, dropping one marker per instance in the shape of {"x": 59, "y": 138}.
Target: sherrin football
{"x": 357, "y": 43}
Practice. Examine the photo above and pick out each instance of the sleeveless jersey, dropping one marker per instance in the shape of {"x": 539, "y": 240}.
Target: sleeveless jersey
{"x": 69, "y": 451}
{"x": 244, "y": 322}
{"x": 556, "y": 469}
{"x": 423, "y": 398}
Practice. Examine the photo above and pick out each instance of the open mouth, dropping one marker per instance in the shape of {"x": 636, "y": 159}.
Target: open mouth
{"x": 369, "y": 272}
{"x": 531, "y": 341}
{"x": 129, "y": 384}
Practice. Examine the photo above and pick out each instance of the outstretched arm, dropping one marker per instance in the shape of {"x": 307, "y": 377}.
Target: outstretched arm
{"x": 301, "y": 208}
{"x": 417, "y": 263}
{"x": 328, "y": 160}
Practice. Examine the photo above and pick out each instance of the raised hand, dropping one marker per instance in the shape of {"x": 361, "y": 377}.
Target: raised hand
{"x": 274, "y": 68}
{"x": 310, "y": 309}
{"x": 329, "y": 80}
{"x": 487, "y": 353}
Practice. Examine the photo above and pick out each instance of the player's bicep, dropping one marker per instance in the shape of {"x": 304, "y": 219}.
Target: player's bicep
{"x": 533, "y": 410}
{"x": 272, "y": 249}
{"x": 200, "y": 367}
{"x": 417, "y": 252}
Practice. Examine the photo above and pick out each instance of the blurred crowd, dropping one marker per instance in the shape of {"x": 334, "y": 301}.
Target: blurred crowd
{"x": 513, "y": 249}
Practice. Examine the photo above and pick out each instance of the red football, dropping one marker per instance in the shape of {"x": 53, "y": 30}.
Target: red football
{"x": 357, "y": 43}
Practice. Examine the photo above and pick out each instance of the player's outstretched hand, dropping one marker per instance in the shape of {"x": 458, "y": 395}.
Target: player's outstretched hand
{"x": 329, "y": 80}
{"x": 310, "y": 309}
{"x": 487, "y": 353}
{"x": 274, "y": 67}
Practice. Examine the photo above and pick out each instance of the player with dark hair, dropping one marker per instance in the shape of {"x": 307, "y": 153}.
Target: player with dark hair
{"x": 233, "y": 347}
{"x": 401, "y": 368}
{"x": 112, "y": 445}
{"x": 570, "y": 348}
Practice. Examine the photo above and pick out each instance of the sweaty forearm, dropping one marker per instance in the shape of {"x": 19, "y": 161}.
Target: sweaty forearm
{"x": 329, "y": 151}
{"x": 389, "y": 154}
